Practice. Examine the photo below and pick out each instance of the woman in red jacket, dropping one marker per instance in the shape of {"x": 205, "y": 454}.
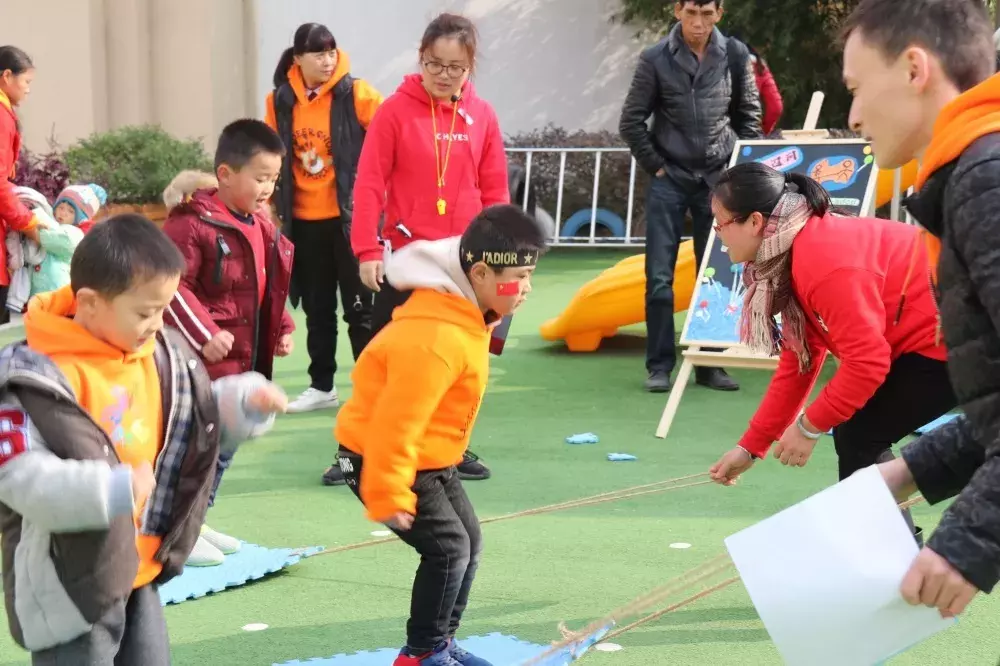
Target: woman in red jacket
{"x": 16, "y": 73}
{"x": 433, "y": 158}
{"x": 770, "y": 96}
{"x": 856, "y": 288}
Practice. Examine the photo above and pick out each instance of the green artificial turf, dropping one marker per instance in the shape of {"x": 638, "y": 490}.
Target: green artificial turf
{"x": 571, "y": 566}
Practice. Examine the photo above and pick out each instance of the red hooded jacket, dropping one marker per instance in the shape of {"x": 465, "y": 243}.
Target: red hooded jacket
{"x": 770, "y": 97}
{"x": 397, "y": 173}
{"x": 849, "y": 275}
{"x": 14, "y": 215}
{"x": 236, "y": 280}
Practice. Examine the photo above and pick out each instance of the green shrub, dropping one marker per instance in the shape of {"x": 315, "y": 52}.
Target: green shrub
{"x": 134, "y": 164}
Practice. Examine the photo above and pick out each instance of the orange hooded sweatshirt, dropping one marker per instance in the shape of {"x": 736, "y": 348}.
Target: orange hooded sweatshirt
{"x": 419, "y": 383}
{"x": 120, "y": 391}
{"x": 970, "y": 116}
{"x": 312, "y": 154}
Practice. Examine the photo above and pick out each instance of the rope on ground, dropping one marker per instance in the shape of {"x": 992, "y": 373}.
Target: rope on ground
{"x": 669, "y": 609}
{"x": 624, "y": 493}
{"x": 642, "y": 603}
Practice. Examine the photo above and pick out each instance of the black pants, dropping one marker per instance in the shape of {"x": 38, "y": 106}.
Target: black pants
{"x": 916, "y": 391}
{"x": 666, "y": 205}
{"x": 387, "y": 299}
{"x": 447, "y": 536}
{"x": 133, "y": 632}
{"x": 324, "y": 261}
{"x": 4, "y": 312}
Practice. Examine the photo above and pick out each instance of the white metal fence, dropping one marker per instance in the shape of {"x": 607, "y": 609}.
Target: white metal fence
{"x": 594, "y": 225}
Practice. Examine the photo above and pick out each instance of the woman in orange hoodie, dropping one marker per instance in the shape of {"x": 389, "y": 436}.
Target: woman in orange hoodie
{"x": 322, "y": 114}
{"x": 16, "y": 73}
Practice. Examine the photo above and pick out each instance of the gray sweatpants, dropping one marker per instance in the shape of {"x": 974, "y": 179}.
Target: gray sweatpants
{"x": 132, "y": 633}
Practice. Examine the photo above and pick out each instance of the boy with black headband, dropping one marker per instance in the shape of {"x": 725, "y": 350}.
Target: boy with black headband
{"x": 417, "y": 390}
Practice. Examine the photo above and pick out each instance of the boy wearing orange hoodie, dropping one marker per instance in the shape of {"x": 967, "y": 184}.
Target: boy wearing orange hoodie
{"x": 110, "y": 431}
{"x": 417, "y": 390}
{"x": 922, "y": 75}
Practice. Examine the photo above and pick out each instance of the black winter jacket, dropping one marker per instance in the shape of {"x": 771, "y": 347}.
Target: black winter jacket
{"x": 960, "y": 204}
{"x": 696, "y": 121}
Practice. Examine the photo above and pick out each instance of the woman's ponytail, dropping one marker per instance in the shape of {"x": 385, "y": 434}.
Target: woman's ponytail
{"x": 284, "y": 64}
{"x": 817, "y": 198}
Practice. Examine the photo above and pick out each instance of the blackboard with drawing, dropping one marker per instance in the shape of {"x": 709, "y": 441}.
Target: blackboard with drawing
{"x": 845, "y": 167}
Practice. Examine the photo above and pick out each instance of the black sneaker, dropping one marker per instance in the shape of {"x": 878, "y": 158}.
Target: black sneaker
{"x": 333, "y": 476}
{"x": 658, "y": 381}
{"x": 470, "y": 469}
{"x": 716, "y": 379}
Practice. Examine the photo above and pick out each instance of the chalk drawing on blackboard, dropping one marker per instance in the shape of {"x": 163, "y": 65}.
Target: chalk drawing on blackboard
{"x": 784, "y": 159}
{"x": 837, "y": 172}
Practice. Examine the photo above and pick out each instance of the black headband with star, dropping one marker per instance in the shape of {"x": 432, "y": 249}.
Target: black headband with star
{"x": 499, "y": 258}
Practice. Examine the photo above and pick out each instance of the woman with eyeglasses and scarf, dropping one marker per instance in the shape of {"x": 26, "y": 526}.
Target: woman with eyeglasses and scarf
{"x": 857, "y": 288}
{"x": 432, "y": 160}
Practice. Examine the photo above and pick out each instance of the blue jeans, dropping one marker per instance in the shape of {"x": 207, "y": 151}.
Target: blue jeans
{"x": 666, "y": 204}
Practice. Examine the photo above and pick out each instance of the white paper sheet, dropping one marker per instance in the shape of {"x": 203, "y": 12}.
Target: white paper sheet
{"x": 824, "y": 576}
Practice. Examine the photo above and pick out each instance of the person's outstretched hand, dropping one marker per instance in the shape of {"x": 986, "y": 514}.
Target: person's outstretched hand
{"x": 730, "y": 466}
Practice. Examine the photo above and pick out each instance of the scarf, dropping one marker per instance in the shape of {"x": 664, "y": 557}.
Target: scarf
{"x": 768, "y": 279}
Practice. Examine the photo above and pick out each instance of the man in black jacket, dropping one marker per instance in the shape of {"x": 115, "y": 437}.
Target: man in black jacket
{"x": 700, "y": 90}
{"x": 921, "y": 72}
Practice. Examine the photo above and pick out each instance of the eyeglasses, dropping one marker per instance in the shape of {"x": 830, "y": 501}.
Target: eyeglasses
{"x": 719, "y": 226}
{"x": 454, "y": 71}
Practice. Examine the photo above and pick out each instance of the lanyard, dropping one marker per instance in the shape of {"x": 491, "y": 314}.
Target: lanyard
{"x": 442, "y": 205}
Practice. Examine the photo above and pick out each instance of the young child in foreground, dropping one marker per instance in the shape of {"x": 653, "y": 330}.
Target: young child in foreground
{"x": 417, "y": 390}
{"x": 110, "y": 431}
{"x": 231, "y": 300}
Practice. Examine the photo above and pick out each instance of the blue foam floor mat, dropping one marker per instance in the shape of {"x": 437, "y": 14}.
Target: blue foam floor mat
{"x": 498, "y": 649}
{"x": 938, "y": 422}
{"x": 252, "y": 562}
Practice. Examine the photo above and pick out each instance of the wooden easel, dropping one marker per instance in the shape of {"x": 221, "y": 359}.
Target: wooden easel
{"x": 737, "y": 356}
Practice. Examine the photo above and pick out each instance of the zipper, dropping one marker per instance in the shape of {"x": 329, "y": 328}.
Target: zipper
{"x": 256, "y": 287}
{"x": 222, "y": 253}
{"x": 937, "y": 307}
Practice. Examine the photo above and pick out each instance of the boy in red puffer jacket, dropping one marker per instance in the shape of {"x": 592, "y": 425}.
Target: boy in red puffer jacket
{"x": 231, "y": 300}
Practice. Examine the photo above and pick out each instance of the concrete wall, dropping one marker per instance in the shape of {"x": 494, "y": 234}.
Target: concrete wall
{"x": 188, "y": 65}
{"x": 541, "y": 61}
{"x": 194, "y": 65}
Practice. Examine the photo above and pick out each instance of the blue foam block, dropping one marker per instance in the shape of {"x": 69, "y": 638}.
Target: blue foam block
{"x": 252, "y": 562}
{"x": 621, "y": 457}
{"x": 936, "y": 423}
{"x": 498, "y": 649}
{"x": 584, "y": 438}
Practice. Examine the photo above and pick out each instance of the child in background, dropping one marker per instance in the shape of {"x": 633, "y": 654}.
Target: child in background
{"x": 105, "y": 472}
{"x": 45, "y": 264}
{"x": 185, "y": 184}
{"x": 417, "y": 390}
{"x": 25, "y": 255}
{"x": 231, "y": 300}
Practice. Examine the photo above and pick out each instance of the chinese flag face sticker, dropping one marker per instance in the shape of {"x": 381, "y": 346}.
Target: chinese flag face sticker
{"x": 508, "y": 288}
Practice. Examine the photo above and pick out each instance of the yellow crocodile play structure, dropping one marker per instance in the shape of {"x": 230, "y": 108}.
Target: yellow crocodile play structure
{"x": 616, "y": 297}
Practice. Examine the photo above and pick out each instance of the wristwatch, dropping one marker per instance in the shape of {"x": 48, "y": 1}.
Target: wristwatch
{"x": 805, "y": 431}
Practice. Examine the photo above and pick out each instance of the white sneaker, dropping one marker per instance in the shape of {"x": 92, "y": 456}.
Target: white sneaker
{"x": 205, "y": 554}
{"x": 314, "y": 399}
{"x": 227, "y": 545}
